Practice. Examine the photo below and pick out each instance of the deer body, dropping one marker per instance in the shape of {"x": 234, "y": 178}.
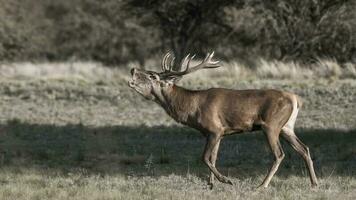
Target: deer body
{"x": 217, "y": 112}
{"x": 230, "y": 111}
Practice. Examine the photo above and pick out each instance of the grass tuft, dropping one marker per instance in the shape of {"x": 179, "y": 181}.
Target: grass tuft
{"x": 326, "y": 68}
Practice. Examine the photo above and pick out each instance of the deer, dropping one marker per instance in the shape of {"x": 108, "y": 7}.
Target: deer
{"x": 218, "y": 112}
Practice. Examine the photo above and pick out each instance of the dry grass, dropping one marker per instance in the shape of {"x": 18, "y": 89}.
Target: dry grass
{"x": 80, "y": 133}
{"x": 90, "y": 71}
{"x": 281, "y": 70}
{"x": 44, "y": 184}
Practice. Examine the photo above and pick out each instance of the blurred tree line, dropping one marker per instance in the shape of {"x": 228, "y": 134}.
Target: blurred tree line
{"x": 120, "y": 31}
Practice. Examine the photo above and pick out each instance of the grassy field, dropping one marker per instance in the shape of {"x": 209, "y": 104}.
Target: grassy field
{"x": 94, "y": 138}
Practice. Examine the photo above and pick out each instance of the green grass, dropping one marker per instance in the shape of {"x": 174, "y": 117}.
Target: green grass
{"x": 76, "y": 139}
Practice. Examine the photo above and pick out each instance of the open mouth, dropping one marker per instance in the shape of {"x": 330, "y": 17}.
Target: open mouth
{"x": 131, "y": 84}
{"x": 134, "y": 86}
{"x": 138, "y": 90}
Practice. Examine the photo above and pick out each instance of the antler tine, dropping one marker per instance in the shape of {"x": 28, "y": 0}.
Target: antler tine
{"x": 167, "y": 64}
{"x": 211, "y": 55}
{"x": 164, "y": 61}
{"x": 211, "y": 64}
{"x": 171, "y": 64}
{"x": 184, "y": 60}
{"x": 207, "y": 57}
{"x": 188, "y": 63}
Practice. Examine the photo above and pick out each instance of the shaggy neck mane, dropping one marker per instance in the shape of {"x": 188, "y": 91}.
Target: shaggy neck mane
{"x": 179, "y": 102}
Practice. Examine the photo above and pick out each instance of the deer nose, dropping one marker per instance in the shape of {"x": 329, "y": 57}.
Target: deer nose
{"x": 133, "y": 71}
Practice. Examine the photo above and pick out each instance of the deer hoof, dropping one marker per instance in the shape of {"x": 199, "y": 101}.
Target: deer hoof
{"x": 261, "y": 187}
{"x": 314, "y": 185}
{"x": 229, "y": 182}
{"x": 211, "y": 186}
{"x": 225, "y": 180}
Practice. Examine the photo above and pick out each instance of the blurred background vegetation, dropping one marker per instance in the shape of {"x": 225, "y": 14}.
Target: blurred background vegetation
{"x": 116, "y": 32}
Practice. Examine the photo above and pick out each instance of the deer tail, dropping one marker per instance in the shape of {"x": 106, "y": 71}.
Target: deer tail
{"x": 299, "y": 101}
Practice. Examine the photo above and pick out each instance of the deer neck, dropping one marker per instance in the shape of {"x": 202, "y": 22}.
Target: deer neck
{"x": 178, "y": 102}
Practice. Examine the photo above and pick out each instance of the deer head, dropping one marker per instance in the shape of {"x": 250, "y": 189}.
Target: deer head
{"x": 150, "y": 84}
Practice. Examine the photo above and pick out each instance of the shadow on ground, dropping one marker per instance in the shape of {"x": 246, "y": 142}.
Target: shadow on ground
{"x": 161, "y": 150}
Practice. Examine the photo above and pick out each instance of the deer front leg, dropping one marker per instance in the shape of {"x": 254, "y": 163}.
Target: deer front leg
{"x": 213, "y": 158}
{"x": 212, "y": 141}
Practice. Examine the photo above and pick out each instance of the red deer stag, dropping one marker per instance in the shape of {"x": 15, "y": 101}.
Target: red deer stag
{"x": 218, "y": 112}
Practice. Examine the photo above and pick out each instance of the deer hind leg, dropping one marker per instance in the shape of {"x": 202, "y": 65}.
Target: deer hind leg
{"x": 213, "y": 158}
{"x": 303, "y": 150}
{"x": 211, "y": 144}
{"x": 273, "y": 140}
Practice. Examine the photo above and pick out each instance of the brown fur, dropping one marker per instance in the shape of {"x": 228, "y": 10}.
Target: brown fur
{"x": 218, "y": 112}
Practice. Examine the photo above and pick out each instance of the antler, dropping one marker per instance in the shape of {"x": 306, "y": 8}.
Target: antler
{"x": 207, "y": 63}
{"x": 165, "y": 67}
